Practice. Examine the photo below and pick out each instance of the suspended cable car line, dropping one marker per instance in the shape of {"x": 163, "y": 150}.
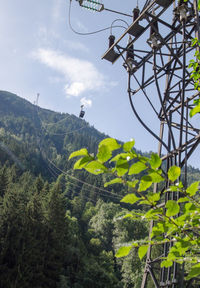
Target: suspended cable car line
{"x": 55, "y": 175}
{"x": 54, "y": 123}
{"x": 70, "y": 176}
{"x": 60, "y": 134}
{"x": 81, "y": 181}
{"x": 86, "y": 189}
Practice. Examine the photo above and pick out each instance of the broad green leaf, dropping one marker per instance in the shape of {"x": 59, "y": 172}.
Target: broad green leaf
{"x": 172, "y": 208}
{"x": 189, "y": 207}
{"x": 172, "y": 188}
{"x": 95, "y": 168}
{"x": 130, "y": 198}
{"x": 114, "y": 181}
{"x": 136, "y": 168}
{"x": 124, "y": 156}
{"x": 173, "y": 254}
{"x": 195, "y": 110}
{"x": 142, "y": 251}
{"x": 152, "y": 214}
{"x": 134, "y": 215}
{"x": 156, "y": 178}
{"x": 132, "y": 184}
{"x": 104, "y": 154}
{"x": 122, "y": 167}
{"x": 82, "y": 162}
{"x": 110, "y": 143}
{"x": 158, "y": 229}
{"x": 123, "y": 251}
{"x": 173, "y": 173}
{"x": 81, "y": 152}
{"x": 193, "y": 188}
{"x": 154, "y": 197}
{"x": 194, "y": 271}
{"x": 166, "y": 263}
{"x": 183, "y": 245}
{"x": 183, "y": 199}
{"x": 155, "y": 161}
{"x": 145, "y": 183}
{"x": 143, "y": 159}
{"x": 128, "y": 145}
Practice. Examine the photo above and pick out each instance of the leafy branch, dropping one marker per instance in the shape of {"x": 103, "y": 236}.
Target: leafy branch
{"x": 177, "y": 223}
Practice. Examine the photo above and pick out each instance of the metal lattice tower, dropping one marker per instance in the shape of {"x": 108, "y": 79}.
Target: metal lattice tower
{"x": 156, "y": 58}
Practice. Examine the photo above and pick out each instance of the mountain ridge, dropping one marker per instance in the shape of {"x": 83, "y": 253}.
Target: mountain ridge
{"x": 35, "y": 129}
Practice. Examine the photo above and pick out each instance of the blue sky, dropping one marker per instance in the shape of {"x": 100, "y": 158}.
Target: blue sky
{"x": 40, "y": 54}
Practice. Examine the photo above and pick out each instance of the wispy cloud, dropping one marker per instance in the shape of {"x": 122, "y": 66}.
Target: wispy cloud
{"x": 86, "y": 102}
{"x": 80, "y": 75}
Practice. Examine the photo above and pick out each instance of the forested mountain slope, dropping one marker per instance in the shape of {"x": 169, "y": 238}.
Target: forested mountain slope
{"x": 59, "y": 228}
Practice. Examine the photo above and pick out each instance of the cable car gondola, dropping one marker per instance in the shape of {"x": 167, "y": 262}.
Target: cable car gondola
{"x": 82, "y": 112}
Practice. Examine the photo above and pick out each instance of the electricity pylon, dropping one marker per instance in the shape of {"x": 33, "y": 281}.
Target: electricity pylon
{"x": 156, "y": 58}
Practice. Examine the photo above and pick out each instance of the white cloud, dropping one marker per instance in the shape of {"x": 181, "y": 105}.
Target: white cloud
{"x": 80, "y": 75}
{"x": 86, "y": 102}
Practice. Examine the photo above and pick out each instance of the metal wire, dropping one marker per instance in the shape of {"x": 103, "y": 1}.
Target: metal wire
{"x": 89, "y": 33}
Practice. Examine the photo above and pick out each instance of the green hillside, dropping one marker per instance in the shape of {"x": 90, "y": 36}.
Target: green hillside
{"x": 59, "y": 228}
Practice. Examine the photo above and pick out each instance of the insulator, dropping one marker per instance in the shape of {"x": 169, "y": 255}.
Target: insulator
{"x": 181, "y": 2}
{"x": 111, "y": 40}
{"x": 154, "y": 28}
{"x": 130, "y": 50}
{"x": 136, "y": 13}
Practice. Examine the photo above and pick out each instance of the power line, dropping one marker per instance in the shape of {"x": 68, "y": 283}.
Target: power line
{"x": 89, "y": 33}
{"x": 77, "y": 185}
{"x": 70, "y": 176}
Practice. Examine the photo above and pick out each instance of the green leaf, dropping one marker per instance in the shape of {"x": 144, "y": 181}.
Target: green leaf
{"x": 110, "y": 143}
{"x": 172, "y": 208}
{"x": 153, "y": 214}
{"x": 154, "y": 197}
{"x": 145, "y": 183}
{"x": 136, "y": 168}
{"x": 193, "y": 188}
{"x": 166, "y": 263}
{"x": 173, "y": 173}
{"x": 122, "y": 167}
{"x": 132, "y": 184}
{"x": 142, "y": 251}
{"x": 156, "y": 178}
{"x": 155, "y": 161}
{"x": 123, "y": 251}
{"x": 189, "y": 207}
{"x": 158, "y": 229}
{"x": 194, "y": 272}
{"x": 114, "y": 181}
{"x": 81, "y": 152}
{"x": 104, "y": 154}
{"x": 183, "y": 199}
{"x": 128, "y": 145}
{"x": 82, "y": 162}
{"x": 124, "y": 156}
{"x": 195, "y": 110}
{"x": 130, "y": 198}
{"x": 94, "y": 167}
